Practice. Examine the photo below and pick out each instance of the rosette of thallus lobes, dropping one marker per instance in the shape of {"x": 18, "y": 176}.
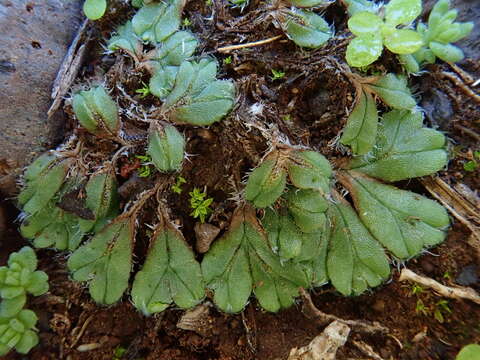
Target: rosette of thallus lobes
{"x": 291, "y": 229}
{"x": 308, "y": 234}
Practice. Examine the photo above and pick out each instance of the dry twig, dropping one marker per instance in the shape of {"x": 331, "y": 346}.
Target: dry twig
{"x": 69, "y": 69}
{"x": 460, "y": 207}
{"x": 446, "y": 291}
{"x": 357, "y": 325}
{"x": 457, "y": 81}
{"x": 367, "y": 350}
{"x": 247, "y": 45}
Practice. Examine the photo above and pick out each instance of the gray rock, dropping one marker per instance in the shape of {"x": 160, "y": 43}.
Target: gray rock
{"x": 437, "y": 106}
{"x": 34, "y": 38}
{"x": 468, "y": 276}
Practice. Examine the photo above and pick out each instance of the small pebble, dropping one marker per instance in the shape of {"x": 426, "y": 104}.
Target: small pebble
{"x": 427, "y": 266}
{"x": 379, "y": 306}
{"x": 468, "y": 275}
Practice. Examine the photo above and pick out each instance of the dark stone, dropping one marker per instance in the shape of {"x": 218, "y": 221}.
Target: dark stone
{"x": 34, "y": 38}
{"x": 427, "y": 266}
{"x": 468, "y": 275}
{"x": 134, "y": 186}
{"x": 438, "y": 108}
{"x": 319, "y": 103}
{"x": 7, "y": 67}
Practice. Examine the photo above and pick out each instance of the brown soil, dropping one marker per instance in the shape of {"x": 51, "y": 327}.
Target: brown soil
{"x": 308, "y": 105}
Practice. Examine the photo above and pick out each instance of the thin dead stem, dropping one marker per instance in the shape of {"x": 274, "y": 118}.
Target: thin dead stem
{"x": 229, "y": 48}
{"x": 446, "y": 291}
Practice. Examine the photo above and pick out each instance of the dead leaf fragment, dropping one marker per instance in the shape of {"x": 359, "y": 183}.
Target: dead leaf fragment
{"x": 205, "y": 234}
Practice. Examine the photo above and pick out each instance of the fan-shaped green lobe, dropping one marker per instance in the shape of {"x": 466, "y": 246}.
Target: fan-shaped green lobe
{"x": 402, "y": 11}
{"x": 309, "y": 170}
{"x": 404, "y": 222}
{"x": 242, "y": 261}
{"x": 170, "y": 274}
{"x": 166, "y": 147}
{"x": 394, "y": 91}
{"x": 404, "y": 149}
{"x": 155, "y": 22}
{"x": 307, "y": 29}
{"x": 266, "y": 183}
{"x": 105, "y": 261}
{"x": 126, "y": 39}
{"x": 361, "y": 129}
{"x": 364, "y": 50}
{"x": 307, "y": 208}
{"x": 355, "y": 260}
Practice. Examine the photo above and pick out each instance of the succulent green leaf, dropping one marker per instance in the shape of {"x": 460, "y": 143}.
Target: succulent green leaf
{"x": 404, "y": 222}
{"x": 448, "y": 52}
{"x": 177, "y": 48}
{"x": 170, "y": 274}
{"x": 94, "y": 9}
{"x": 440, "y": 32}
{"x": 364, "y": 50}
{"x": 11, "y": 307}
{"x": 438, "y": 11}
{"x": 356, "y": 6}
{"x": 402, "y": 11}
{"x": 469, "y": 352}
{"x": 307, "y": 208}
{"x": 37, "y": 283}
{"x": 458, "y": 32}
{"x": 17, "y": 332}
{"x": 96, "y": 111}
{"x": 266, "y": 183}
{"x": 241, "y": 261}
{"x": 306, "y": 28}
{"x": 404, "y": 149}
{"x": 166, "y": 147}
{"x": 355, "y": 260}
{"x": 155, "y": 22}
{"x": 25, "y": 258}
{"x": 364, "y": 23}
{"x": 19, "y": 278}
{"x": 403, "y": 41}
{"x": 409, "y": 63}
{"x": 360, "y": 132}
{"x": 105, "y": 261}
{"x": 394, "y": 91}
{"x": 309, "y": 170}
{"x": 126, "y": 40}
